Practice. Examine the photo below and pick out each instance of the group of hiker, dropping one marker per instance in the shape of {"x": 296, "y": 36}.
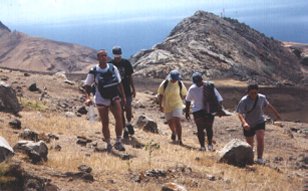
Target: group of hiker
{"x": 114, "y": 89}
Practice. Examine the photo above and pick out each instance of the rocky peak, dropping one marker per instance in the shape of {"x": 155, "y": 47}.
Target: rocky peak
{"x": 219, "y": 47}
{"x": 3, "y": 27}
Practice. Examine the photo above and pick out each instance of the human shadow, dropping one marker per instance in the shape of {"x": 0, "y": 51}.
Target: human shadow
{"x": 135, "y": 143}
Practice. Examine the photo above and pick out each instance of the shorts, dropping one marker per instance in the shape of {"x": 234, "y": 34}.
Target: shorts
{"x": 202, "y": 118}
{"x": 252, "y": 131}
{"x": 175, "y": 113}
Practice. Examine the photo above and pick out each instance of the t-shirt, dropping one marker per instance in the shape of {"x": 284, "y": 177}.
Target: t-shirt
{"x": 195, "y": 95}
{"x": 126, "y": 70}
{"x": 98, "y": 99}
{"x": 171, "y": 96}
{"x": 256, "y": 116}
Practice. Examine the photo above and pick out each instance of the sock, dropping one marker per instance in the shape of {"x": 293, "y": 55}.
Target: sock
{"x": 118, "y": 139}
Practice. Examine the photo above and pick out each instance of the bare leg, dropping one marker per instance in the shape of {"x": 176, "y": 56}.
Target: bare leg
{"x": 103, "y": 113}
{"x": 178, "y": 128}
{"x": 250, "y": 141}
{"x": 116, "y": 110}
{"x": 260, "y": 142}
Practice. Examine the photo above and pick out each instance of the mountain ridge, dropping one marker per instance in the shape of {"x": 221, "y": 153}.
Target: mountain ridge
{"x": 20, "y": 51}
{"x": 219, "y": 48}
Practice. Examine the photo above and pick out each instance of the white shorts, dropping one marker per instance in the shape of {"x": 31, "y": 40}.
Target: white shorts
{"x": 175, "y": 113}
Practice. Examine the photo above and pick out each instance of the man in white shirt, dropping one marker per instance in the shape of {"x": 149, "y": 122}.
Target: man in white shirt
{"x": 201, "y": 109}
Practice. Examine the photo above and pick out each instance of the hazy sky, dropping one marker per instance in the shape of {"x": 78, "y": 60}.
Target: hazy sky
{"x": 55, "y": 11}
{"x": 70, "y": 20}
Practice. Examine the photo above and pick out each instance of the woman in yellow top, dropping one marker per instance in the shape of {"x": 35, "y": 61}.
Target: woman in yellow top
{"x": 171, "y": 93}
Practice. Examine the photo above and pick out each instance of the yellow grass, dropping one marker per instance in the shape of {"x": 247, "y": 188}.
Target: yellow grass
{"x": 107, "y": 167}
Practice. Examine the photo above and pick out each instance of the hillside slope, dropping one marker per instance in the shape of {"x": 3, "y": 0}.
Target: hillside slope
{"x": 220, "y": 48}
{"x": 20, "y": 51}
{"x": 140, "y": 167}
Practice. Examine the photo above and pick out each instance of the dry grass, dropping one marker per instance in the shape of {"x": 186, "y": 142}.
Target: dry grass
{"x": 112, "y": 173}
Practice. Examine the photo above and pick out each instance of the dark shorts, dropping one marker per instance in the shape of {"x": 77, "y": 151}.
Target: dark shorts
{"x": 203, "y": 118}
{"x": 252, "y": 131}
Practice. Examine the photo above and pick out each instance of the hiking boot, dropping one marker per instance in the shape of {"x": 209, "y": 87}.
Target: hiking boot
{"x": 109, "y": 148}
{"x": 210, "y": 147}
{"x": 125, "y": 134}
{"x": 130, "y": 129}
{"x": 260, "y": 161}
{"x": 118, "y": 146}
{"x": 173, "y": 136}
{"x": 202, "y": 149}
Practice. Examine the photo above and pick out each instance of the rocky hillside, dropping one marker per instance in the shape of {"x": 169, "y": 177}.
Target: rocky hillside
{"x": 19, "y": 51}
{"x": 220, "y": 48}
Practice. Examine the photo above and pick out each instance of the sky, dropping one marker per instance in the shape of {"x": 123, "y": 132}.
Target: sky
{"x": 282, "y": 19}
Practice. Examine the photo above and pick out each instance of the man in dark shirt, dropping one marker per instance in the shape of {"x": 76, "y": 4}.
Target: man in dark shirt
{"x": 126, "y": 70}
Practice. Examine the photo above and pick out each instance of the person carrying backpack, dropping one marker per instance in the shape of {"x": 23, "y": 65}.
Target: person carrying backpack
{"x": 126, "y": 70}
{"x": 170, "y": 94}
{"x": 107, "y": 83}
{"x": 206, "y": 101}
{"x": 250, "y": 112}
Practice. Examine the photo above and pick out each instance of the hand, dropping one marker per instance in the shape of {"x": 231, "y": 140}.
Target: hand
{"x": 88, "y": 102}
{"x": 246, "y": 126}
{"x": 187, "y": 115}
{"x": 134, "y": 93}
{"x": 123, "y": 100}
{"x": 161, "y": 108}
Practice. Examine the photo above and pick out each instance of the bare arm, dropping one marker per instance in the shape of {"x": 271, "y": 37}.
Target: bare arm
{"x": 160, "y": 101}
{"x": 187, "y": 110}
{"x": 88, "y": 95}
{"x": 121, "y": 89}
{"x": 243, "y": 121}
{"x": 133, "y": 86}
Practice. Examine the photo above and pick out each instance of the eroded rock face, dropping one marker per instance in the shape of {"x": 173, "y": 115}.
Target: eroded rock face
{"x": 8, "y": 99}
{"x": 219, "y": 48}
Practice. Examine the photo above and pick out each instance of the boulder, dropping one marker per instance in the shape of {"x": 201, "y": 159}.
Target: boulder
{"x": 147, "y": 124}
{"x": 237, "y": 153}
{"x": 6, "y": 151}
{"x": 8, "y": 99}
{"x": 36, "y": 151}
{"x": 170, "y": 186}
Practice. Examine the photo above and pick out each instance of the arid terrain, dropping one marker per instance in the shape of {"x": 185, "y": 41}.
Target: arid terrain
{"x": 150, "y": 160}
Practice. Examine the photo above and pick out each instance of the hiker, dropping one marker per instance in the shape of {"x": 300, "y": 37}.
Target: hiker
{"x": 170, "y": 94}
{"x": 251, "y": 114}
{"x": 107, "y": 83}
{"x": 205, "y": 99}
{"x": 126, "y": 70}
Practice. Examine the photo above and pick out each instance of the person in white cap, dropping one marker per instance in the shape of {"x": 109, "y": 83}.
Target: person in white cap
{"x": 126, "y": 71}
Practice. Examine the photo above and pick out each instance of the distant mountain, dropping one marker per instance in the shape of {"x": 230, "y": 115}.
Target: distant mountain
{"x": 20, "y": 51}
{"x": 219, "y": 48}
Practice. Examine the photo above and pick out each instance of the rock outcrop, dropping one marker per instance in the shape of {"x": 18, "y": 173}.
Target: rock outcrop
{"x": 219, "y": 48}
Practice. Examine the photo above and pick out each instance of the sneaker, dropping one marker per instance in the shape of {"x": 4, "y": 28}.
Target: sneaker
{"x": 260, "y": 161}
{"x": 179, "y": 142}
{"x": 109, "y": 148}
{"x": 125, "y": 134}
{"x": 130, "y": 129}
{"x": 173, "y": 136}
{"x": 210, "y": 147}
{"x": 118, "y": 146}
{"x": 202, "y": 149}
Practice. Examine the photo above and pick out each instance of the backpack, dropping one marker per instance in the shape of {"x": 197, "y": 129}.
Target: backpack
{"x": 107, "y": 84}
{"x": 180, "y": 85}
{"x": 210, "y": 98}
